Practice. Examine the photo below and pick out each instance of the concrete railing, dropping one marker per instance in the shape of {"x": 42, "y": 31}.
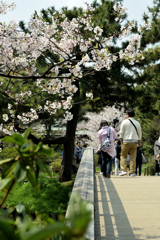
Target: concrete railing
{"x": 84, "y": 184}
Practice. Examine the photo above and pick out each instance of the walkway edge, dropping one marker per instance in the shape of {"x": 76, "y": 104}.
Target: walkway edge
{"x": 84, "y": 184}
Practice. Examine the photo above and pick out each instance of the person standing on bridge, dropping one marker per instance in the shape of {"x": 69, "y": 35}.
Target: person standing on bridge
{"x": 130, "y": 136}
{"x": 117, "y": 158}
{"x": 78, "y": 152}
{"x": 111, "y": 152}
{"x": 157, "y": 156}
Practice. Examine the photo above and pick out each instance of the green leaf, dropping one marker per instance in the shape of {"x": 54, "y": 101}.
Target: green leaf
{"x": 32, "y": 178}
{"x": 4, "y": 182}
{"x": 26, "y": 155}
{"x": 9, "y": 185}
{"x": 19, "y": 138}
{"x": 20, "y": 171}
{"x": 27, "y": 132}
{"x": 44, "y": 168}
{"x": 8, "y": 170}
{"x": 47, "y": 232}
{"x": 5, "y": 161}
{"x": 47, "y": 151}
{"x": 7, "y": 231}
{"x": 26, "y": 147}
{"x": 16, "y": 140}
{"x": 38, "y": 147}
{"x": 46, "y": 219}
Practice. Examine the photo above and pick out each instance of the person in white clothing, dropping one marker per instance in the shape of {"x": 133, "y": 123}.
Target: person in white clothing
{"x": 130, "y": 136}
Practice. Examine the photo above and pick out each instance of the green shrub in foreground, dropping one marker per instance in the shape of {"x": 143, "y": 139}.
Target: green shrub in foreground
{"x": 27, "y": 165}
{"x": 52, "y": 196}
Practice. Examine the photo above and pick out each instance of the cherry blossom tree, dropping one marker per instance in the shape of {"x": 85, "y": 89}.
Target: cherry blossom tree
{"x": 79, "y": 49}
{"x": 91, "y": 126}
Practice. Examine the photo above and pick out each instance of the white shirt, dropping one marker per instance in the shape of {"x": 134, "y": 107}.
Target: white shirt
{"x": 128, "y": 131}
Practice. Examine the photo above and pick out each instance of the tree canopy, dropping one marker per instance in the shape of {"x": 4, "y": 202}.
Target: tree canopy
{"x": 53, "y": 64}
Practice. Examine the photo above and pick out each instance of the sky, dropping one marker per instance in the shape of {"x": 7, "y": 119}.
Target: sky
{"x": 25, "y": 8}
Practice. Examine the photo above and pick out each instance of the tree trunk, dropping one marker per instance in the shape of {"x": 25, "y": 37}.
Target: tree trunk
{"x": 68, "y": 146}
{"x": 68, "y": 149}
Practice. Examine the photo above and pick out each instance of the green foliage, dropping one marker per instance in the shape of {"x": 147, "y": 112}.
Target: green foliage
{"x": 8, "y": 151}
{"x": 57, "y": 157}
{"x": 24, "y": 164}
{"x": 56, "y": 165}
{"x": 147, "y": 91}
{"x": 11, "y": 152}
{"x": 16, "y": 225}
{"x": 52, "y": 197}
{"x": 77, "y": 211}
{"x": 23, "y": 228}
{"x": 150, "y": 125}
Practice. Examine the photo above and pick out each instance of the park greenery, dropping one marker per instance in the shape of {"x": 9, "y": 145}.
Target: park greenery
{"x": 36, "y": 219}
{"x": 62, "y": 69}
{"x": 47, "y": 67}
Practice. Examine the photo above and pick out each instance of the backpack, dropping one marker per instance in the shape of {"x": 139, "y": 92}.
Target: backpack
{"x": 105, "y": 145}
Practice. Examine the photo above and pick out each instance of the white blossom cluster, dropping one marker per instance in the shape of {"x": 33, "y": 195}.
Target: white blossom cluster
{"x": 68, "y": 116}
{"x": 145, "y": 26}
{"x": 5, "y": 117}
{"x": 120, "y": 11}
{"x": 4, "y": 6}
{"x": 6, "y": 129}
{"x": 19, "y": 52}
{"x": 28, "y": 117}
{"x": 132, "y": 51}
{"x": 89, "y": 95}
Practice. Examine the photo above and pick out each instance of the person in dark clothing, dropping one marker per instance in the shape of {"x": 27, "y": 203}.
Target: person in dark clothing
{"x": 100, "y": 160}
{"x": 78, "y": 152}
{"x": 139, "y": 160}
{"x": 117, "y": 158}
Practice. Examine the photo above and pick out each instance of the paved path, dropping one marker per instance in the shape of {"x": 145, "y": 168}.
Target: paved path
{"x": 127, "y": 208}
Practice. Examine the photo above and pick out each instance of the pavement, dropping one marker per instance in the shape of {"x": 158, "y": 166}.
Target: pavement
{"x": 127, "y": 208}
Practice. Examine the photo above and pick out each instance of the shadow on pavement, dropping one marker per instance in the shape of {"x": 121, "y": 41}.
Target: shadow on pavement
{"x": 117, "y": 225}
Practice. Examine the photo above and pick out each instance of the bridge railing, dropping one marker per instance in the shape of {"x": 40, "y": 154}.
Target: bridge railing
{"x": 84, "y": 184}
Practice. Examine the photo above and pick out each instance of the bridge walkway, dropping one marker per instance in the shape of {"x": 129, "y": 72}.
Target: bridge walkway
{"x": 127, "y": 208}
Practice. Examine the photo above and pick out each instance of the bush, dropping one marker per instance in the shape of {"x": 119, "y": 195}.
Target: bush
{"x": 45, "y": 159}
{"x": 8, "y": 152}
{"x": 52, "y": 197}
{"x": 48, "y": 160}
{"x": 56, "y": 165}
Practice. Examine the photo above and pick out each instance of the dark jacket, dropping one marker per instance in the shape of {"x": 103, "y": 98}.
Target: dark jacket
{"x": 118, "y": 151}
{"x": 99, "y": 157}
{"x": 139, "y": 156}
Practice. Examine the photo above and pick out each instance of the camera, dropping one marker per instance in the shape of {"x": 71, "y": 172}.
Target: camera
{"x": 115, "y": 120}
